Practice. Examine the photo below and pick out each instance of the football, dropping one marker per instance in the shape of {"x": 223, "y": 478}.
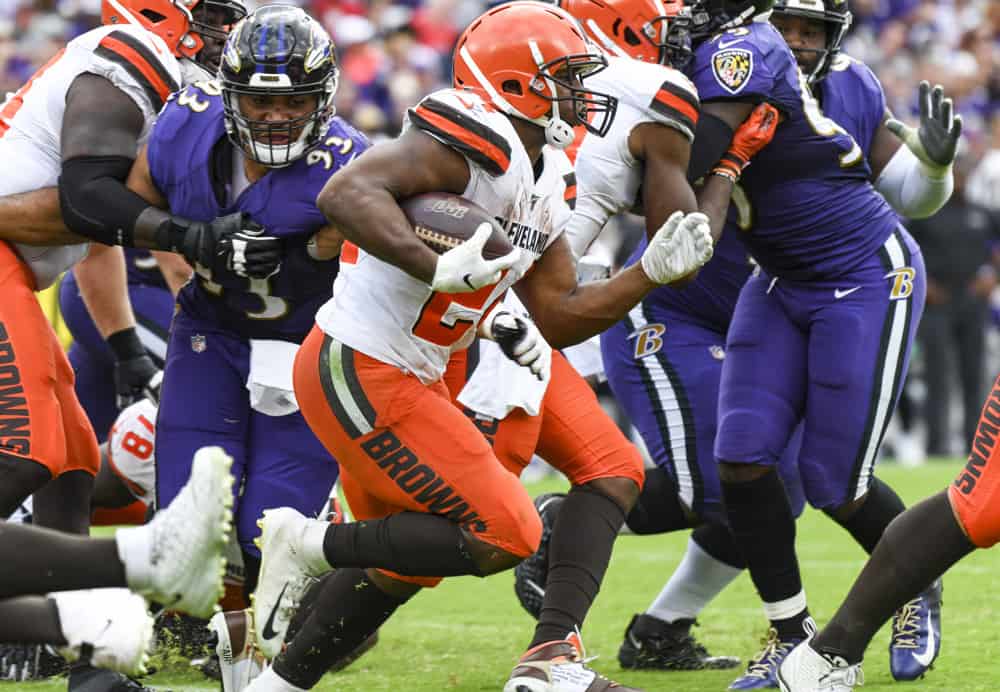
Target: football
{"x": 444, "y": 220}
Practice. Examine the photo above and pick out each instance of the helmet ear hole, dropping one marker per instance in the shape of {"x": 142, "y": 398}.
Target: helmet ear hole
{"x": 630, "y": 37}
{"x": 152, "y": 16}
{"x": 512, "y": 86}
{"x": 615, "y": 27}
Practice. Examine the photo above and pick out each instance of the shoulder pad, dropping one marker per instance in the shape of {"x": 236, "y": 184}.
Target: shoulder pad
{"x": 467, "y": 124}
{"x": 142, "y": 55}
{"x": 662, "y": 94}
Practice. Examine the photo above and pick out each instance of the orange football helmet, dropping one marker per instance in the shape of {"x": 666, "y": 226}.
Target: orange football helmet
{"x": 637, "y": 29}
{"x": 517, "y": 54}
{"x": 182, "y": 24}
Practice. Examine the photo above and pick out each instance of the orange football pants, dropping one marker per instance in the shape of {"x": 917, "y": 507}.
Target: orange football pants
{"x": 975, "y": 494}
{"x": 41, "y": 419}
{"x": 572, "y": 432}
{"x": 403, "y": 446}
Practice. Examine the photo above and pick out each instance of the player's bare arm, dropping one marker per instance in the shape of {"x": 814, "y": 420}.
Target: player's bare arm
{"x": 665, "y": 153}
{"x": 175, "y": 270}
{"x": 566, "y": 312}
{"x": 101, "y": 276}
{"x": 34, "y": 218}
{"x": 361, "y": 200}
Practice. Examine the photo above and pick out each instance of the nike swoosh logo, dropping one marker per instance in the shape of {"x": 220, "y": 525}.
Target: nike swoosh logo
{"x": 838, "y": 293}
{"x": 726, "y": 44}
{"x": 268, "y": 631}
{"x": 467, "y": 282}
{"x": 927, "y": 657}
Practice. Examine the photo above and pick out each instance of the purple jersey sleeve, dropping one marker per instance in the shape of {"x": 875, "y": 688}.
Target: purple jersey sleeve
{"x": 852, "y": 96}
{"x": 174, "y": 130}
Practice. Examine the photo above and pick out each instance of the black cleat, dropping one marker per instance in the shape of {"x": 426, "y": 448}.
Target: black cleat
{"x": 84, "y": 678}
{"x": 21, "y": 662}
{"x": 530, "y": 576}
{"x": 654, "y": 644}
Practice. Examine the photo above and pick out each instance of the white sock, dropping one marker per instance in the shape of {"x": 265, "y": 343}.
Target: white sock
{"x": 269, "y": 681}
{"x": 135, "y": 549}
{"x": 313, "y": 536}
{"x": 696, "y": 581}
{"x": 790, "y": 607}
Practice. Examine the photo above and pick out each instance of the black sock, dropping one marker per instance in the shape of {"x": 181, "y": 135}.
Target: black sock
{"x": 917, "y": 548}
{"x": 347, "y": 610}
{"x": 579, "y": 551}
{"x": 659, "y": 507}
{"x": 51, "y": 561}
{"x": 869, "y": 522}
{"x": 762, "y": 523}
{"x": 251, "y": 573}
{"x": 718, "y": 541}
{"x": 412, "y": 543}
{"x": 30, "y": 620}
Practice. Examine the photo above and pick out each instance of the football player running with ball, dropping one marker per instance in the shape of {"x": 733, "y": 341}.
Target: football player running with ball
{"x": 431, "y": 498}
{"x": 836, "y": 301}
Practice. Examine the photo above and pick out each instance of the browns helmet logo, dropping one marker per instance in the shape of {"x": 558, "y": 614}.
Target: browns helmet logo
{"x": 732, "y": 68}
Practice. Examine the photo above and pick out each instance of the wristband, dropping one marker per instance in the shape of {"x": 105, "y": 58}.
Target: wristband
{"x": 126, "y": 345}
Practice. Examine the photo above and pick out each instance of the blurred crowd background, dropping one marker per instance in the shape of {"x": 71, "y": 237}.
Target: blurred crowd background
{"x": 393, "y": 52}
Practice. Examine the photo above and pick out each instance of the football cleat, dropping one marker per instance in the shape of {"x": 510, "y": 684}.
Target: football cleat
{"x": 762, "y": 670}
{"x": 559, "y": 666}
{"x": 655, "y": 644}
{"x": 111, "y": 627}
{"x": 808, "y": 670}
{"x": 90, "y": 679}
{"x": 530, "y": 575}
{"x": 177, "y": 558}
{"x": 23, "y": 662}
{"x": 916, "y": 635}
{"x": 239, "y": 660}
{"x": 285, "y": 576}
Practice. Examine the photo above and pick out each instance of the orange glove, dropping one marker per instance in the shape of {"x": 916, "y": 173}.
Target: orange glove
{"x": 755, "y": 133}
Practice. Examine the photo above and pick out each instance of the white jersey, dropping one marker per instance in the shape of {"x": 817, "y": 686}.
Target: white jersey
{"x": 383, "y": 312}
{"x": 131, "y": 445}
{"x": 134, "y": 60}
{"x": 498, "y": 385}
{"x": 608, "y": 176}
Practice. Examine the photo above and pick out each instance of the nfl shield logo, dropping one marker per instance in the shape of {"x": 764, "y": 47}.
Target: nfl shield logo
{"x": 732, "y": 68}
{"x": 198, "y": 343}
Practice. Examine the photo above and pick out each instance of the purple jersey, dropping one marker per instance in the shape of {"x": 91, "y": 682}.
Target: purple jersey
{"x": 814, "y": 213}
{"x": 190, "y": 159}
{"x": 852, "y": 96}
{"x": 142, "y": 268}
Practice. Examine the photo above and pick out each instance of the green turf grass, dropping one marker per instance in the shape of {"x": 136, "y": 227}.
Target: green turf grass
{"x": 467, "y": 634}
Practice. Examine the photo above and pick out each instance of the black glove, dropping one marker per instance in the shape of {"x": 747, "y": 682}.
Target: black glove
{"x": 231, "y": 243}
{"x": 936, "y": 140}
{"x": 136, "y": 376}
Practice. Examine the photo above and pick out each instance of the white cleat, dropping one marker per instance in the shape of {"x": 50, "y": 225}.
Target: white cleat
{"x": 177, "y": 558}
{"x": 113, "y": 624}
{"x": 239, "y": 660}
{"x": 807, "y": 670}
{"x": 285, "y": 575}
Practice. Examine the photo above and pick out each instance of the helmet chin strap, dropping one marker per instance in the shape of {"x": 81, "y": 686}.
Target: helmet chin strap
{"x": 558, "y": 132}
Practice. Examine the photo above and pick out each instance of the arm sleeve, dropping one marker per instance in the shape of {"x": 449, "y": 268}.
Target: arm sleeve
{"x": 912, "y": 189}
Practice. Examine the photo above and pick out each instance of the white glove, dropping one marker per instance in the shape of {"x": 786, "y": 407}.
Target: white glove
{"x": 463, "y": 269}
{"x": 681, "y": 245}
{"x": 520, "y": 340}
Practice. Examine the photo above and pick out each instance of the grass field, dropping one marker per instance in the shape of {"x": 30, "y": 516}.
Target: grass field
{"x": 466, "y": 634}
